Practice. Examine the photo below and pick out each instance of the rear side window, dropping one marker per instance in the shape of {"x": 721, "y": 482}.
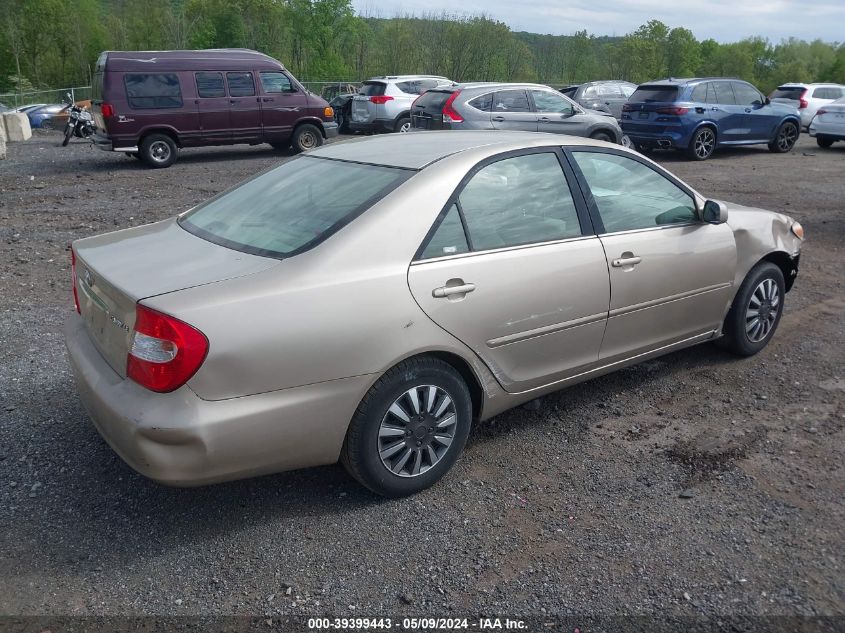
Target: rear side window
{"x": 724, "y": 93}
{"x": 275, "y": 83}
{"x": 408, "y": 87}
{"x": 610, "y": 91}
{"x": 291, "y": 208}
{"x": 827, "y": 93}
{"x": 240, "y": 84}
{"x": 648, "y": 94}
{"x": 210, "y": 85}
{"x": 792, "y": 93}
{"x": 520, "y": 200}
{"x": 590, "y": 92}
{"x": 511, "y": 101}
{"x": 449, "y": 238}
{"x": 372, "y": 88}
{"x": 699, "y": 94}
{"x": 483, "y": 103}
{"x": 147, "y": 91}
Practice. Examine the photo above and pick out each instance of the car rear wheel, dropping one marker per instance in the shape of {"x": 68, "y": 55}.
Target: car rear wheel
{"x": 785, "y": 139}
{"x": 158, "y": 150}
{"x": 756, "y": 311}
{"x": 702, "y": 144}
{"x": 403, "y": 125}
{"x": 306, "y": 137}
{"x": 409, "y": 429}
{"x": 824, "y": 142}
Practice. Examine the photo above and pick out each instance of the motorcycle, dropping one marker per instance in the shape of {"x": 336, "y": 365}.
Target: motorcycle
{"x": 79, "y": 122}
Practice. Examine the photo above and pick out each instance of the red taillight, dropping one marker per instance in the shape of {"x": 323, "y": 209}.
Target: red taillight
{"x": 73, "y": 279}
{"x": 107, "y": 110}
{"x": 165, "y": 351}
{"x": 676, "y": 111}
{"x": 802, "y": 101}
{"x": 380, "y": 99}
{"x": 821, "y": 111}
{"x": 449, "y": 113}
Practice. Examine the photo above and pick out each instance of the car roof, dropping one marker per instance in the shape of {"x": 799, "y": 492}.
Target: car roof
{"x": 417, "y": 150}
{"x": 399, "y": 77}
{"x": 500, "y": 84}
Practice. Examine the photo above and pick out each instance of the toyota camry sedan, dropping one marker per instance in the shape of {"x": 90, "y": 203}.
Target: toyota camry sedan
{"x": 368, "y": 301}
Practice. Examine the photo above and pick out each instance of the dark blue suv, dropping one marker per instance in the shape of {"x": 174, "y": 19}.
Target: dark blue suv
{"x": 699, "y": 115}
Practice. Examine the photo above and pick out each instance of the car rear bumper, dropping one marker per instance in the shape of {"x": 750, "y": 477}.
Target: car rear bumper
{"x": 180, "y": 439}
{"x": 667, "y": 137}
{"x": 376, "y": 125}
{"x": 834, "y": 132}
{"x": 330, "y": 128}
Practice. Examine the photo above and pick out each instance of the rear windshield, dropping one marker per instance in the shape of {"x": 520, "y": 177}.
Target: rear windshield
{"x": 97, "y": 87}
{"x": 293, "y": 207}
{"x": 646, "y": 94}
{"x": 788, "y": 92}
{"x": 433, "y": 99}
{"x": 372, "y": 88}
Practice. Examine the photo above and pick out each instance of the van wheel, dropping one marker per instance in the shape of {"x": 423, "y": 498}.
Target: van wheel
{"x": 755, "y": 312}
{"x": 306, "y": 137}
{"x": 158, "y": 150}
{"x": 409, "y": 429}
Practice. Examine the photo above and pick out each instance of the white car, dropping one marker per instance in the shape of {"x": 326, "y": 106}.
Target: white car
{"x": 808, "y": 98}
{"x": 828, "y": 126}
{"x": 383, "y": 104}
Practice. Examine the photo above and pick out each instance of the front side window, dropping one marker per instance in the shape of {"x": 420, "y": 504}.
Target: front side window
{"x": 210, "y": 85}
{"x": 152, "y": 90}
{"x": 290, "y": 208}
{"x": 746, "y": 95}
{"x": 551, "y": 102}
{"x": 240, "y": 84}
{"x": 449, "y": 238}
{"x": 630, "y": 195}
{"x": 511, "y": 101}
{"x": 275, "y": 83}
{"x": 520, "y": 200}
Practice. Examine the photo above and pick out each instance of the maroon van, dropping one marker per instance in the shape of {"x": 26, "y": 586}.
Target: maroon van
{"x": 150, "y": 103}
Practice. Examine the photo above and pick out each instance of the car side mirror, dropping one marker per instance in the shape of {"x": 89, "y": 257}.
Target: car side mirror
{"x": 715, "y": 212}
{"x": 767, "y": 101}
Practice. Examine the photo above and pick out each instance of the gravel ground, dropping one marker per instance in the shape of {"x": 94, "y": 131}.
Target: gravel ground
{"x": 694, "y": 485}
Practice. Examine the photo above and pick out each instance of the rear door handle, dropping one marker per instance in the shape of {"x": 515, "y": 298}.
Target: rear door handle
{"x": 448, "y": 291}
{"x": 626, "y": 261}
{"x": 748, "y": 109}
{"x": 233, "y": 101}
{"x": 544, "y": 118}
{"x": 265, "y": 99}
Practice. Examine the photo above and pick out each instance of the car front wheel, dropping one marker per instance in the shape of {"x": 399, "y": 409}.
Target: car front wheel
{"x": 756, "y": 311}
{"x": 306, "y": 137}
{"x": 785, "y": 139}
{"x": 409, "y": 429}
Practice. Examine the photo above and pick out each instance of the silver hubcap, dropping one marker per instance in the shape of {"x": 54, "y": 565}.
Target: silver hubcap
{"x": 307, "y": 140}
{"x": 787, "y": 137}
{"x": 405, "y": 127}
{"x": 626, "y": 141}
{"x": 704, "y": 142}
{"x": 160, "y": 151}
{"x": 417, "y": 431}
{"x": 762, "y": 311}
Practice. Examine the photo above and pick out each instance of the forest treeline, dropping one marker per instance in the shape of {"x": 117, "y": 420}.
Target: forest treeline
{"x": 53, "y": 43}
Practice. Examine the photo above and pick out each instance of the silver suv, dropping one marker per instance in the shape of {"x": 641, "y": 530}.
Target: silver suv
{"x": 510, "y": 106}
{"x": 808, "y": 98}
{"x": 383, "y": 104}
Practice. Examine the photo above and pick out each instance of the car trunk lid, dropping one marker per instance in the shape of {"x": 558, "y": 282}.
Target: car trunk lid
{"x": 116, "y": 270}
{"x": 365, "y": 105}
{"x": 427, "y": 110}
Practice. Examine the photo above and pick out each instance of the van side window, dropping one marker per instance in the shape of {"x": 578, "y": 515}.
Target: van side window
{"x": 276, "y": 83}
{"x": 210, "y": 85}
{"x": 146, "y": 91}
{"x": 240, "y": 84}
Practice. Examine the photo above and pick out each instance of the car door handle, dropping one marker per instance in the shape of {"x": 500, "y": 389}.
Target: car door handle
{"x": 498, "y": 118}
{"x": 715, "y": 109}
{"x": 626, "y": 261}
{"x": 748, "y": 109}
{"x": 233, "y": 101}
{"x": 265, "y": 99}
{"x": 448, "y": 291}
{"x": 544, "y": 118}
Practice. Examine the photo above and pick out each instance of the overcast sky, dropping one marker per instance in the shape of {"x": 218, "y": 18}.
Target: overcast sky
{"x": 723, "y": 20}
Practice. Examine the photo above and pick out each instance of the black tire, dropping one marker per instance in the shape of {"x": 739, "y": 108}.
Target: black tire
{"x": 402, "y": 125}
{"x": 68, "y": 134}
{"x": 305, "y": 137}
{"x": 785, "y": 138}
{"x": 737, "y": 337}
{"x": 158, "y": 151}
{"x": 702, "y": 144}
{"x": 824, "y": 142}
{"x": 362, "y": 448}
{"x": 602, "y": 136}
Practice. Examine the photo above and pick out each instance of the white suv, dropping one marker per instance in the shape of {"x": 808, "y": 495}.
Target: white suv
{"x": 808, "y": 98}
{"x": 383, "y": 104}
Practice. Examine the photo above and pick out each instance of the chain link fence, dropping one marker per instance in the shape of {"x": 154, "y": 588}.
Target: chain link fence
{"x": 56, "y": 95}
